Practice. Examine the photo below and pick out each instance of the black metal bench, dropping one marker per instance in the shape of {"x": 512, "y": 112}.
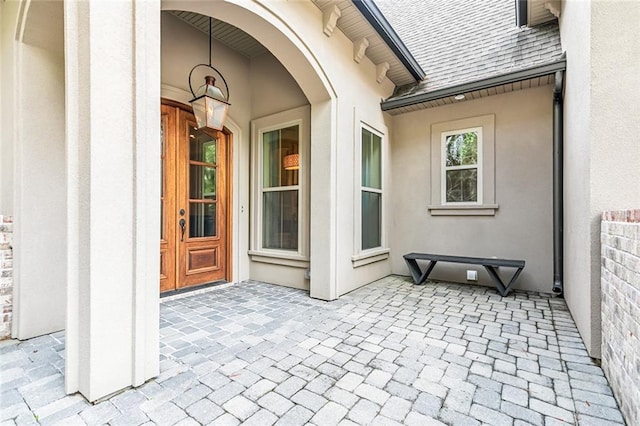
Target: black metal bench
{"x": 490, "y": 264}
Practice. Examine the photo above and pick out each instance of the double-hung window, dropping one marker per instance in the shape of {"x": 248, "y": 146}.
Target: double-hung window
{"x": 371, "y": 190}
{"x": 462, "y": 166}
{"x": 280, "y": 188}
{"x": 280, "y": 185}
{"x": 369, "y": 196}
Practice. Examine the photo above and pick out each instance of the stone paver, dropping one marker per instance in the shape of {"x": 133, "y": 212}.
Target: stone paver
{"x": 388, "y": 353}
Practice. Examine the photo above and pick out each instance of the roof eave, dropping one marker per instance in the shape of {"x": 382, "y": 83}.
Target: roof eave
{"x": 377, "y": 20}
{"x": 486, "y": 83}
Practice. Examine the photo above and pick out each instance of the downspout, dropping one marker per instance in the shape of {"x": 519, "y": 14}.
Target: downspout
{"x": 558, "y": 207}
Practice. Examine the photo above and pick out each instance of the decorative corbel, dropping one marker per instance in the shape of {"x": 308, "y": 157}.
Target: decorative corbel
{"x": 330, "y": 15}
{"x": 359, "y": 47}
{"x": 381, "y": 71}
{"x": 553, "y": 7}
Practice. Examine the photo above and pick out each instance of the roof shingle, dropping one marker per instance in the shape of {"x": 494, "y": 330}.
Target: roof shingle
{"x": 458, "y": 41}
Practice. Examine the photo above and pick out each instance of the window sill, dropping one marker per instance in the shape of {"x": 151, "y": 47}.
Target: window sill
{"x": 295, "y": 260}
{"x": 370, "y": 256}
{"x": 468, "y": 210}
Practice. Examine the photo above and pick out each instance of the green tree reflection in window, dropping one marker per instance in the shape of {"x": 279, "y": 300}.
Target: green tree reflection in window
{"x": 461, "y": 167}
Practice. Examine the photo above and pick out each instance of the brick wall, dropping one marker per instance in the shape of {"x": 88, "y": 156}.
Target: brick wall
{"x": 621, "y": 308}
{"x": 6, "y": 276}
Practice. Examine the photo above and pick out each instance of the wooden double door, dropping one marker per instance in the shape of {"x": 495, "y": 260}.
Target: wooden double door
{"x": 194, "y": 242}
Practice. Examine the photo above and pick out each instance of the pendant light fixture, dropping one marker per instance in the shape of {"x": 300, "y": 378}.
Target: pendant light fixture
{"x": 209, "y": 104}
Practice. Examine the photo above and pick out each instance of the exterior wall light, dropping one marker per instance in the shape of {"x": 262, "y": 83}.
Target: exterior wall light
{"x": 459, "y": 97}
{"x": 209, "y": 104}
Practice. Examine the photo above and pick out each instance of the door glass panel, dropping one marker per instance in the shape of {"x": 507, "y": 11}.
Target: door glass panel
{"x": 202, "y": 147}
{"x": 202, "y": 220}
{"x": 280, "y": 220}
{"x": 202, "y": 182}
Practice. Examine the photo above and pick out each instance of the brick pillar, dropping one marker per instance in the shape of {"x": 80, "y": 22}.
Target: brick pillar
{"x": 621, "y": 308}
{"x": 6, "y": 276}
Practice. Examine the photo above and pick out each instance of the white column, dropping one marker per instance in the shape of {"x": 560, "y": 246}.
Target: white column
{"x": 112, "y": 52}
{"x": 324, "y": 199}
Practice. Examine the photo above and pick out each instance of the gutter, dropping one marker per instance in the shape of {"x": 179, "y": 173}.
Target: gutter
{"x": 558, "y": 204}
{"x": 522, "y": 15}
{"x": 377, "y": 20}
{"x": 487, "y": 83}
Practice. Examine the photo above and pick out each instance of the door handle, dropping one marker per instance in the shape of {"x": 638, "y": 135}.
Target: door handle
{"x": 182, "y": 227}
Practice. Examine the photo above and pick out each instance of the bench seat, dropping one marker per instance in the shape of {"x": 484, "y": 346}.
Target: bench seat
{"x": 490, "y": 264}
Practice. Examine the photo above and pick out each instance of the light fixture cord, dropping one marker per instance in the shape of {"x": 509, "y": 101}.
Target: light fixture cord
{"x": 209, "y": 40}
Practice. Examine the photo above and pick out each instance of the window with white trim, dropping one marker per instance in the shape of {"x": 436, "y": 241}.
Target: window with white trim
{"x": 280, "y": 184}
{"x": 462, "y": 166}
{"x": 370, "y": 160}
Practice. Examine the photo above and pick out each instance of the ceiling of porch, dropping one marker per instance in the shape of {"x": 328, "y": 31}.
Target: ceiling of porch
{"x": 227, "y": 34}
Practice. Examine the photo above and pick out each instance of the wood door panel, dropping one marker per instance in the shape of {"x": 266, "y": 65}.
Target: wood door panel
{"x": 203, "y": 260}
{"x": 163, "y": 264}
{"x": 168, "y": 252}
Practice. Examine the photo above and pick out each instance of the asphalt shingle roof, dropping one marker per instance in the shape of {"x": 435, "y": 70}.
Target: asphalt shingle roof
{"x": 461, "y": 41}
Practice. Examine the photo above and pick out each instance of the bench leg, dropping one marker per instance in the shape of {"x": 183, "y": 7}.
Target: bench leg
{"x": 502, "y": 289}
{"x": 418, "y": 276}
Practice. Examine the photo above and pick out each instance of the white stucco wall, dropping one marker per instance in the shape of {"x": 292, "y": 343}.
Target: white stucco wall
{"x": 8, "y": 19}
{"x": 522, "y": 225}
{"x": 40, "y": 198}
{"x": 601, "y": 156}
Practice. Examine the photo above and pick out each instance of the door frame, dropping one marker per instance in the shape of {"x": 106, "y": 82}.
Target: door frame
{"x": 228, "y": 222}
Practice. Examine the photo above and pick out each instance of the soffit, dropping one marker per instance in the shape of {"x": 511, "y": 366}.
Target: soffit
{"x": 538, "y": 13}
{"x": 227, "y": 34}
{"x": 477, "y": 94}
{"x": 356, "y": 27}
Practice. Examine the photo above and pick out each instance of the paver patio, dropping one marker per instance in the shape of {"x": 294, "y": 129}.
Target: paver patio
{"x": 389, "y": 353}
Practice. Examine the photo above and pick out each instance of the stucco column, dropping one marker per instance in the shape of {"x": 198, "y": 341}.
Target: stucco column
{"x": 601, "y": 172}
{"x": 324, "y": 200}
{"x": 112, "y": 66}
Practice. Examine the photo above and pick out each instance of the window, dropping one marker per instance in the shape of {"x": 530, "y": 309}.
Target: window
{"x": 280, "y": 184}
{"x": 371, "y": 190}
{"x": 280, "y": 188}
{"x": 463, "y": 167}
{"x": 369, "y": 200}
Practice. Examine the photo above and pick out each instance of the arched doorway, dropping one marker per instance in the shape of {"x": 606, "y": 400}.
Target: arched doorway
{"x": 265, "y": 22}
